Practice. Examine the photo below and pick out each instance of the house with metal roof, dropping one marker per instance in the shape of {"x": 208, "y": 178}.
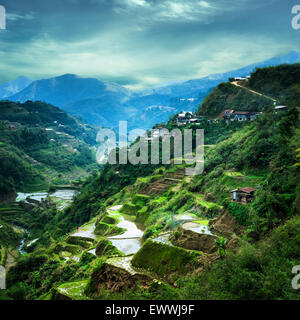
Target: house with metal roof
{"x": 243, "y": 195}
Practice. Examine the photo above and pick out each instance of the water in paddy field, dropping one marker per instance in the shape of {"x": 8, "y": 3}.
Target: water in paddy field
{"x": 38, "y": 196}
{"x": 132, "y": 231}
{"x": 196, "y": 227}
{"x": 186, "y": 217}
{"x": 67, "y": 194}
{"x": 164, "y": 238}
{"x": 93, "y": 251}
{"x": 86, "y": 232}
{"x": 116, "y": 208}
{"x": 122, "y": 262}
{"x": 127, "y": 246}
{"x": 128, "y": 242}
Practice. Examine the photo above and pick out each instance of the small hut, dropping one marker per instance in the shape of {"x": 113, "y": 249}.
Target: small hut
{"x": 243, "y": 195}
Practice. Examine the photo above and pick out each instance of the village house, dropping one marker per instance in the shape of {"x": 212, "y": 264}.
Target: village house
{"x": 240, "y": 79}
{"x": 187, "y": 117}
{"x": 184, "y": 116}
{"x": 226, "y": 114}
{"x": 238, "y": 115}
{"x": 280, "y": 108}
{"x": 243, "y": 195}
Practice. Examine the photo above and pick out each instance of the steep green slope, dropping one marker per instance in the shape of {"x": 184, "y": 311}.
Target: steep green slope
{"x": 263, "y": 152}
{"x": 258, "y": 271}
{"x": 228, "y": 96}
{"x": 39, "y": 145}
{"x": 280, "y": 82}
{"x": 43, "y": 115}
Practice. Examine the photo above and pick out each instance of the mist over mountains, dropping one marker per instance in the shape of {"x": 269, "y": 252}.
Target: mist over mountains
{"x": 105, "y": 104}
{"x": 13, "y": 87}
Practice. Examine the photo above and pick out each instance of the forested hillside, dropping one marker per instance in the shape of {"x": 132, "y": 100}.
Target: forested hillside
{"x": 228, "y": 96}
{"x": 280, "y": 83}
{"x": 41, "y": 144}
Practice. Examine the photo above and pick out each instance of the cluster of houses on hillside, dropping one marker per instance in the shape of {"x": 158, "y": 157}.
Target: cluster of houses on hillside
{"x": 246, "y": 115}
{"x": 187, "y": 117}
{"x": 238, "y": 115}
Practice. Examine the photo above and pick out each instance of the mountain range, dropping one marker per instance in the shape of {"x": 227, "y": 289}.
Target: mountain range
{"x": 104, "y": 103}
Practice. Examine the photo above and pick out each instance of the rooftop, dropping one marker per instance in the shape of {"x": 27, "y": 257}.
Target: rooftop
{"x": 280, "y": 107}
{"x": 246, "y": 190}
{"x": 241, "y": 112}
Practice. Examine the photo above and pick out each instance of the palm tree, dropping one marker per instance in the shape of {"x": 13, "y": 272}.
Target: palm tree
{"x": 221, "y": 243}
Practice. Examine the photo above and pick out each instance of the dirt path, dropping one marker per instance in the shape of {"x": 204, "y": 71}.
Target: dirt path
{"x": 255, "y": 92}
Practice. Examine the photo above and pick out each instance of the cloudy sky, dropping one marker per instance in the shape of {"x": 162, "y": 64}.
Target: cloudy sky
{"x": 140, "y": 43}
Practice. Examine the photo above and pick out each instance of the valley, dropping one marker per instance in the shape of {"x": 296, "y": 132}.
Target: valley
{"x": 149, "y": 231}
{"x": 41, "y": 146}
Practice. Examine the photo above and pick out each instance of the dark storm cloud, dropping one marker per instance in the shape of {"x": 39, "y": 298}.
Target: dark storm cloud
{"x": 141, "y": 42}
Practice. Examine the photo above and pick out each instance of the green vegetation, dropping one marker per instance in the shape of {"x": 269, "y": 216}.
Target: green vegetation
{"x": 258, "y": 271}
{"x": 280, "y": 82}
{"x": 221, "y": 243}
{"x": 105, "y": 248}
{"x": 71, "y": 291}
{"x": 228, "y": 96}
{"x": 262, "y": 236}
{"x": 164, "y": 260}
{"x": 41, "y": 145}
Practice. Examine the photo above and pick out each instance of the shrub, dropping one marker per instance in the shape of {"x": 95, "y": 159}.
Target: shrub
{"x": 239, "y": 211}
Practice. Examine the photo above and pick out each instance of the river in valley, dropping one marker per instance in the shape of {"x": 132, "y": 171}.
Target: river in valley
{"x": 62, "y": 198}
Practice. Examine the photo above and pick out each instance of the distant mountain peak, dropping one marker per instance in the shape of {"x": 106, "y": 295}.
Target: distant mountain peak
{"x": 68, "y": 76}
{"x": 105, "y": 103}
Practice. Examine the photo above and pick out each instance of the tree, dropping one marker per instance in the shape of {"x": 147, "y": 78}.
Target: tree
{"x": 221, "y": 243}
